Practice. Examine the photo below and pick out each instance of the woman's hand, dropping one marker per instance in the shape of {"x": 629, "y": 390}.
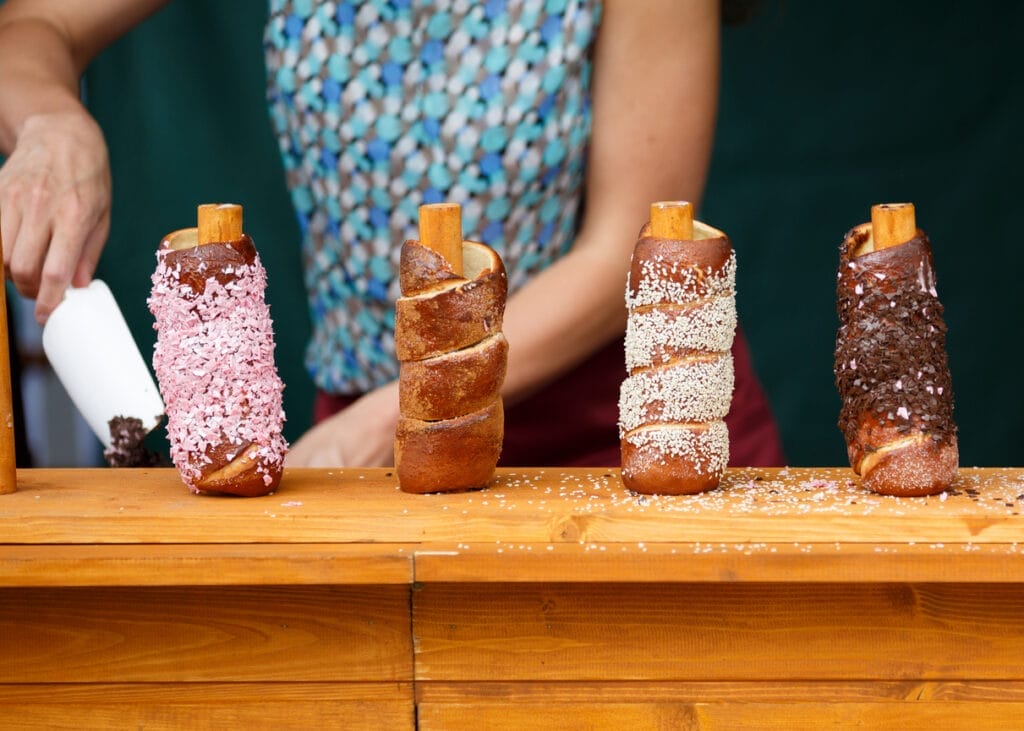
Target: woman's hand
{"x": 363, "y": 435}
{"x": 55, "y": 206}
{"x": 55, "y": 185}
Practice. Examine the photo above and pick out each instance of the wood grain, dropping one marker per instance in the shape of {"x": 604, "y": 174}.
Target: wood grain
{"x": 563, "y": 506}
{"x": 192, "y": 564}
{"x": 649, "y": 562}
{"x": 8, "y": 462}
{"x": 555, "y": 597}
{"x": 728, "y": 691}
{"x": 672, "y": 220}
{"x": 104, "y": 635}
{"x": 440, "y": 229}
{"x": 720, "y": 631}
{"x": 892, "y": 224}
{"x": 200, "y": 706}
{"x": 557, "y": 717}
{"x": 816, "y": 716}
{"x": 720, "y": 716}
{"x": 218, "y": 222}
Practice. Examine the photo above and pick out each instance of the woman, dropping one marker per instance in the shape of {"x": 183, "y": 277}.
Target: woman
{"x": 554, "y": 123}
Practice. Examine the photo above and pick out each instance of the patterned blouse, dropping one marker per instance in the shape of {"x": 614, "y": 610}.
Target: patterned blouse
{"x": 381, "y": 105}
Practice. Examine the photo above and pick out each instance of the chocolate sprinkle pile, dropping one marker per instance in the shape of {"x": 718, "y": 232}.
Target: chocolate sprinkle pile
{"x": 890, "y": 356}
{"x": 126, "y": 447}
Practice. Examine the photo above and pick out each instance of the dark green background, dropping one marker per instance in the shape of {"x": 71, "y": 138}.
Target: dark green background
{"x": 826, "y": 108}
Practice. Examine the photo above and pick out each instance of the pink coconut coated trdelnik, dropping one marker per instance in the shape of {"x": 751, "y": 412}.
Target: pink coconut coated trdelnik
{"x": 214, "y": 359}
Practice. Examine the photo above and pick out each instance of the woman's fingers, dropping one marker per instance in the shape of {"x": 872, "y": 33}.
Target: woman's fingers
{"x": 94, "y": 243}
{"x": 55, "y": 205}
{"x": 62, "y": 257}
{"x": 29, "y": 205}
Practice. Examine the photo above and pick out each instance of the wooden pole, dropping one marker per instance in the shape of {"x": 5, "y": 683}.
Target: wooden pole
{"x": 219, "y": 223}
{"x": 8, "y": 475}
{"x": 441, "y": 231}
{"x": 672, "y": 220}
{"x": 892, "y": 224}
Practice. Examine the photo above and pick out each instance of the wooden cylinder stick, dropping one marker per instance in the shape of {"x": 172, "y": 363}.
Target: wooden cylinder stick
{"x": 219, "y": 223}
{"x": 892, "y": 224}
{"x": 441, "y": 231}
{"x": 8, "y": 475}
{"x": 672, "y": 220}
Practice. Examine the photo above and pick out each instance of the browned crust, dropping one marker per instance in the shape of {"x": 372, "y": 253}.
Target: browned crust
{"x": 236, "y": 471}
{"x": 666, "y": 353}
{"x": 431, "y": 321}
{"x": 454, "y": 454}
{"x": 232, "y": 469}
{"x": 891, "y": 368}
{"x": 449, "y": 320}
{"x": 421, "y": 269}
{"x": 925, "y": 468}
{"x": 196, "y": 264}
{"x": 645, "y": 470}
{"x": 907, "y": 464}
{"x": 708, "y": 256}
{"x": 655, "y": 410}
{"x": 453, "y": 384}
{"x": 452, "y": 354}
{"x": 698, "y": 267}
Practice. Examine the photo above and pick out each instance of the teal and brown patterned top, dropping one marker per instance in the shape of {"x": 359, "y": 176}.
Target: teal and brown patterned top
{"x": 381, "y": 105}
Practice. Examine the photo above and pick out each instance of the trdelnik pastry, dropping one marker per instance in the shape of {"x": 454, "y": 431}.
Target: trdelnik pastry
{"x": 452, "y": 356}
{"x": 680, "y": 298}
{"x": 214, "y": 357}
{"x": 891, "y": 368}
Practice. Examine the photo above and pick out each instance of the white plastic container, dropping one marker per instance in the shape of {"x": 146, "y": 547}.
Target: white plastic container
{"x": 91, "y": 350}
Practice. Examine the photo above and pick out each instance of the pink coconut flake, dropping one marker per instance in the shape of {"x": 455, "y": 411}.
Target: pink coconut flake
{"x": 214, "y": 360}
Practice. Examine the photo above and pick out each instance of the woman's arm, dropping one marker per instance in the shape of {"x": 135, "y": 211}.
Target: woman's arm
{"x": 655, "y": 92}
{"x": 55, "y": 184}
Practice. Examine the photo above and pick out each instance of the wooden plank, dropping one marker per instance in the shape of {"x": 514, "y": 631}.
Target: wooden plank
{"x": 922, "y": 716}
{"x": 912, "y": 716}
{"x": 729, "y": 691}
{"x": 740, "y": 631}
{"x": 646, "y": 562}
{"x": 214, "y": 706}
{"x": 191, "y": 634}
{"x": 809, "y": 506}
{"x": 556, "y": 717}
{"x": 719, "y": 705}
{"x": 204, "y": 565}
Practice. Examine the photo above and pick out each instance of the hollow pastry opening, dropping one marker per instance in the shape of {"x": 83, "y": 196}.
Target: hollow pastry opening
{"x": 702, "y": 231}
{"x": 185, "y": 238}
{"x": 476, "y": 259}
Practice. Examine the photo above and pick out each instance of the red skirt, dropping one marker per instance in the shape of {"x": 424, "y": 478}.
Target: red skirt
{"x": 573, "y": 421}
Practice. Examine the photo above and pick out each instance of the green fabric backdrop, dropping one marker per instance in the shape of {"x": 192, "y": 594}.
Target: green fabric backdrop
{"x": 829, "y": 107}
{"x": 826, "y": 108}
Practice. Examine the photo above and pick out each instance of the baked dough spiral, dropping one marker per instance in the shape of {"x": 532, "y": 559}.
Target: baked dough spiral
{"x": 214, "y": 358}
{"x": 452, "y": 357}
{"x": 680, "y": 299}
{"x": 891, "y": 367}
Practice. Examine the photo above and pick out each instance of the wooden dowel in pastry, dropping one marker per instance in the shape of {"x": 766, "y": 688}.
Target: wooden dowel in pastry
{"x": 892, "y": 224}
{"x": 441, "y": 231}
{"x": 672, "y": 220}
{"x": 219, "y": 222}
{"x": 8, "y": 475}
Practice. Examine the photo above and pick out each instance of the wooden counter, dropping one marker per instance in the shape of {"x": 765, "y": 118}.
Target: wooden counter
{"x": 554, "y": 599}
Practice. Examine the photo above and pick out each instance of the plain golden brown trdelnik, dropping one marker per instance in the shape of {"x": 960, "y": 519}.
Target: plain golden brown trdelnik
{"x": 452, "y": 356}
